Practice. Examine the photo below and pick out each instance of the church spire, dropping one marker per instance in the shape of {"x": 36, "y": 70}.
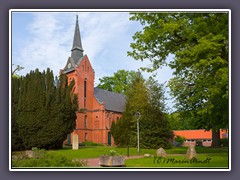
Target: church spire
{"x": 77, "y": 50}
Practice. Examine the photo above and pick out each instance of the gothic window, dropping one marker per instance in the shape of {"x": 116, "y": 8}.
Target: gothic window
{"x": 85, "y": 88}
{"x": 85, "y": 121}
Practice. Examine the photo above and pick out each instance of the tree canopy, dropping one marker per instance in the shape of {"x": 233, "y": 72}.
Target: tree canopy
{"x": 147, "y": 98}
{"x": 199, "y": 43}
{"x": 15, "y": 70}
{"x": 43, "y": 110}
{"x": 118, "y": 83}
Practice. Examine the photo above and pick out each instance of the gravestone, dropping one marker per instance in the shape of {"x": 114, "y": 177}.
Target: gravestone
{"x": 147, "y": 155}
{"x": 30, "y": 153}
{"x": 191, "y": 152}
{"x": 75, "y": 142}
{"x": 161, "y": 152}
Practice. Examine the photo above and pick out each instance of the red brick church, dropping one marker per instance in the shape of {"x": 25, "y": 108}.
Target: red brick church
{"x": 97, "y": 108}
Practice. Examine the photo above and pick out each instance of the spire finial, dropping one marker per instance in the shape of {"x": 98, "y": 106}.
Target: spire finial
{"x": 77, "y": 50}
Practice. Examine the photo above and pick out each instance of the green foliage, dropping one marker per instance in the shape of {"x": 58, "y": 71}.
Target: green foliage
{"x": 48, "y": 160}
{"x": 87, "y": 143}
{"x": 179, "y": 139}
{"x": 224, "y": 142}
{"x": 15, "y": 70}
{"x": 113, "y": 153}
{"x": 16, "y": 140}
{"x": 38, "y": 152}
{"x": 199, "y": 143}
{"x": 43, "y": 112}
{"x": 146, "y": 98}
{"x": 177, "y": 122}
{"x": 119, "y": 82}
{"x": 199, "y": 43}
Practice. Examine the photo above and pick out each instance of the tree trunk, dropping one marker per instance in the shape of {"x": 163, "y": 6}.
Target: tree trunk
{"x": 216, "y": 138}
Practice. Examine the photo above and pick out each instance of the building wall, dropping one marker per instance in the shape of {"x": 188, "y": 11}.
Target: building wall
{"x": 93, "y": 122}
{"x": 205, "y": 142}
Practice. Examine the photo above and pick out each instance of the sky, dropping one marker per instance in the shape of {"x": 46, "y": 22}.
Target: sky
{"x": 44, "y": 39}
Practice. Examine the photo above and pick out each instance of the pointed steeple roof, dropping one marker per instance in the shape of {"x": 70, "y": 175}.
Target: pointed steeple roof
{"x": 77, "y": 50}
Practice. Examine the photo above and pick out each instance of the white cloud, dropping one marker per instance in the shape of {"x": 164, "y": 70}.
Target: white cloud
{"x": 105, "y": 37}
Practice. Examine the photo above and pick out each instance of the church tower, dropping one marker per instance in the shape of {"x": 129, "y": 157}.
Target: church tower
{"x": 97, "y": 108}
{"x": 79, "y": 69}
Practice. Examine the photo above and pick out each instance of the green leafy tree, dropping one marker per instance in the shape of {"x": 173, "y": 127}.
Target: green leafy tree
{"x": 15, "y": 70}
{"x": 179, "y": 123}
{"x": 119, "y": 82}
{"x": 154, "y": 129}
{"x": 199, "y": 43}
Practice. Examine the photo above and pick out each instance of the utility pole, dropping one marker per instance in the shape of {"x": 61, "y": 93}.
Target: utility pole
{"x": 137, "y": 114}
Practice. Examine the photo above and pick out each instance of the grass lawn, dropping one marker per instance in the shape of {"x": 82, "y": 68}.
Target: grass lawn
{"x": 219, "y": 157}
{"x": 94, "y": 152}
{"x": 216, "y": 160}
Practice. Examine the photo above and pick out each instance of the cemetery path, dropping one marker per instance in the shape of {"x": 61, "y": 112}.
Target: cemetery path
{"x": 94, "y": 162}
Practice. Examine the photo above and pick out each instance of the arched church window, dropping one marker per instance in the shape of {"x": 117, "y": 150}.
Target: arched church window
{"x": 85, "y": 87}
{"x": 85, "y": 121}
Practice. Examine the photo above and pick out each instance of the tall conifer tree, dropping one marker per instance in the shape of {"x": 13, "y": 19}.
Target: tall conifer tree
{"x": 46, "y": 110}
{"x": 147, "y": 99}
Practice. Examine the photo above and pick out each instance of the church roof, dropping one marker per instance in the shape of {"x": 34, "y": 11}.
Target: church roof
{"x": 77, "y": 50}
{"x": 198, "y": 134}
{"x": 113, "y": 101}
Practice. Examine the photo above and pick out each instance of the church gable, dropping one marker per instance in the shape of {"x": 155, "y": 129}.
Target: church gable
{"x": 70, "y": 65}
{"x": 84, "y": 65}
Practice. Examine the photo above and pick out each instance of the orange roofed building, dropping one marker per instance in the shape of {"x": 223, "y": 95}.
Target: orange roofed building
{"x": 192, "y": 136}
{"x": 97, "y": 108}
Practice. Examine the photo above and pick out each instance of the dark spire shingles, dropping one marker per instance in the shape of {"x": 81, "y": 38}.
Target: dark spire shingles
{"x": 77, "y": 50}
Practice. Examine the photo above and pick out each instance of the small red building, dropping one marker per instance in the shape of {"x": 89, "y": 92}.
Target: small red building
{"x": 97, "y": 107}
{"x": 192, "y": 136}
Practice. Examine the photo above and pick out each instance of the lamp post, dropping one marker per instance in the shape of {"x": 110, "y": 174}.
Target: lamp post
{"x": 137, "y": 114}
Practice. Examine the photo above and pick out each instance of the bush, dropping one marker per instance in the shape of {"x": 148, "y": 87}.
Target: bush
{"x": 90, "y": 144}
{"x": 199, "y": 143}
{"x": 46, "y": 161}
{"x": 164, "y": 143}
{"x": 178, "y": 141}
{"x": 224, "y": 142}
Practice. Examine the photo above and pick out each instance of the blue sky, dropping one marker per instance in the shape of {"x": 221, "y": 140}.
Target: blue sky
{"x": 44, "y": 39}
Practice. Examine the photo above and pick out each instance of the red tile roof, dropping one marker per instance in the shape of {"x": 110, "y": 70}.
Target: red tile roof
{"x": 197, "y": 134}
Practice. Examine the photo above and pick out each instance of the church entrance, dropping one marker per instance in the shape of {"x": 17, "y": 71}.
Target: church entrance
{"x": 109, "y": 138}
{"x": 69, "y": 138}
